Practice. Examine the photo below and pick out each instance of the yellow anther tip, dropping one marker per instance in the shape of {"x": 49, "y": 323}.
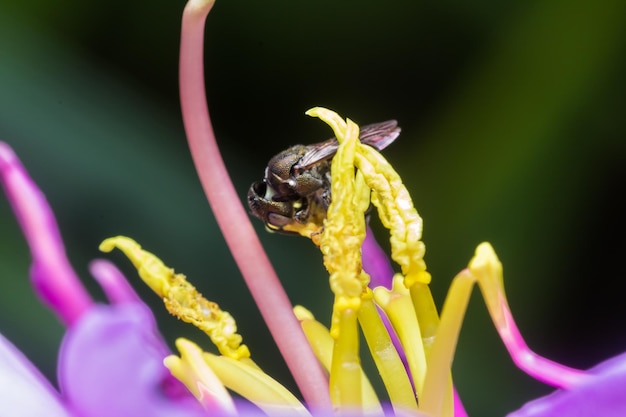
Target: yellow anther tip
{"x": 186, "y": 346}
{"x": 323, "y": 113}
{"x": 331, "y": 118}
{"x": 111, "y": 243}
{"x": 421, "y": 277}
{"x": 484, "y": 257}
{"x": 302, "y": 313}
{"x": 312, "y": 111}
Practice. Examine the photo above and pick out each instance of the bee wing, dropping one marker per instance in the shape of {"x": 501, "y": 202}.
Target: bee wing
{"x": 380, "y": 135}
{"x": 376, "y": 135}
{"x": 316, "y": 153}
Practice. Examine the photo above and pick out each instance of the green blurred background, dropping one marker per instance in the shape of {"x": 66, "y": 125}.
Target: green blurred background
{"x": 513, "y": 117}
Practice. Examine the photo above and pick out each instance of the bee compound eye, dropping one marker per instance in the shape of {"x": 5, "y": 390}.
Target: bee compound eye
{"x": 253, "y": 195}
{"x": 258, "y": 188}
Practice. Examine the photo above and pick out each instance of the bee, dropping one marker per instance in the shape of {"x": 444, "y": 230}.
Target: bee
{"x": 294, "y": 195}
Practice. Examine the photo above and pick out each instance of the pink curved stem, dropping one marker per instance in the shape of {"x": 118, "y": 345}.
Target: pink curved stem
{"x": 537, "y": 366}
{"x": 233, "y": 220}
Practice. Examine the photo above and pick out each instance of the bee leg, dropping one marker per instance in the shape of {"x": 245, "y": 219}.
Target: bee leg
{"x": 306, "y": 184}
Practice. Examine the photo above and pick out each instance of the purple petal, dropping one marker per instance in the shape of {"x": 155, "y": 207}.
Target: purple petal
{"x": 113, "y": 283}
{"x": 111, "y": 364}
{"x": 53, "y": 278}
{"x": 603, "y": 394}
{"x": 24, "y": 392}
{"x": 376, "y": 262}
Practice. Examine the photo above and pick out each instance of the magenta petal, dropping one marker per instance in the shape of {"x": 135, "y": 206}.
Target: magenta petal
{"x": 111, "y": 364}
{"x": 53, "y": 277}
{"x": 376, "y": 262}
{"x": 604, "y": 394}
{"x": 24, "y": 392}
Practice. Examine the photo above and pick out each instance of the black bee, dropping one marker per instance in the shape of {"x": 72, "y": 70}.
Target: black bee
{"x": 295, "y": 194}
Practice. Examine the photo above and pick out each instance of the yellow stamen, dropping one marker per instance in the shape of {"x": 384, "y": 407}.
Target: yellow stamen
{"x": 344, "y": 232}
{"x": 386, "y": 357}
{"x": 396, "y": 212}
{"x": 486, "y": 269}
{"x": 437, "y": 397}
{"x": 256, "y": 386}
{"x": 203, "y": 373}
{"x": 322, "y": 343}
{"x": 426, "y": 312}
{"x": 399, "y": 308}
{"x": 343, "y": 235}
{"x": 345, "y": 378}
{"x": 344, "y": 229}
{"x": 181, "y": 298}
{"x": 193, "y": 371}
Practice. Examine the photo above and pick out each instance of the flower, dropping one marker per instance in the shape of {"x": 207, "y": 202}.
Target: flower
{"x": 412, "y": 346}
